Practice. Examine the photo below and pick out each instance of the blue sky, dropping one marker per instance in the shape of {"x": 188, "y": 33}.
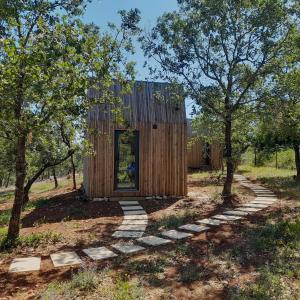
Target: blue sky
{"x": 101, "y": 12}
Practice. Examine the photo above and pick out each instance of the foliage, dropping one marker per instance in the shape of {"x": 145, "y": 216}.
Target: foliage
{"x": 48, "y": 60}
{"x": 266, "y": 158}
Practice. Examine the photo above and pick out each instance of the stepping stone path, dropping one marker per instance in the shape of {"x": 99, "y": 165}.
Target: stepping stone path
{"x": 134, "y": 224}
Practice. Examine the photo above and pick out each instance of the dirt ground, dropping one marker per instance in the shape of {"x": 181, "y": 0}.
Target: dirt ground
{"x": 88, "y": 224}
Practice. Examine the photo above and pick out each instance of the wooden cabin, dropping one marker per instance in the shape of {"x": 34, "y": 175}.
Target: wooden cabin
{"x": 201, "y": 155}
{"x": 145, "y": 156}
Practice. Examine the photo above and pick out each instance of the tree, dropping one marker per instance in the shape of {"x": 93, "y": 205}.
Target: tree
{"x": 280, "y": 122}
{"x": 48, "y": 59}
{"x": 221, "y": 49}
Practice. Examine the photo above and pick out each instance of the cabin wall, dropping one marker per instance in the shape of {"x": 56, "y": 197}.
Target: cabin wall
{"x": 195, "y": 157}
{"x": 162, "y": 160}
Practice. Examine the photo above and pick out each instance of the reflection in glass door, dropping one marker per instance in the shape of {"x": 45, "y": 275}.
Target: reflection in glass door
{"x": 126, "y": 160}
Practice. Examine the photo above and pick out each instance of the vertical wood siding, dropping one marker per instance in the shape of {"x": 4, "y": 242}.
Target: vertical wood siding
{"x": 162, "y": 160}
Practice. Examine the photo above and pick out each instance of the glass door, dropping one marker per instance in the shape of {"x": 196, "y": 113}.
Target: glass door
{"x": 126, "y": 175}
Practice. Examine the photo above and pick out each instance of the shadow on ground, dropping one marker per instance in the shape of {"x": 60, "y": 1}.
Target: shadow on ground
{"x": 68, "y": 207}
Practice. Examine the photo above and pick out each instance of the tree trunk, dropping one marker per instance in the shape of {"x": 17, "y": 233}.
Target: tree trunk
{"x": 40, "y": 172}
{"x": 276, "y": 159}
{"x": 14, "y": 222}
{"x": 7, "y": 180}
{"x": 255, "y": 157}
{"x": 55, "y": 178}
{"x": 229, "y": 162}
{"x": 73, "y": 172}
{"x": 297, "y": 160}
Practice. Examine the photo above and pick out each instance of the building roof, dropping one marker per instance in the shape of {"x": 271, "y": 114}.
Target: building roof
{"x": 150, "y": 102}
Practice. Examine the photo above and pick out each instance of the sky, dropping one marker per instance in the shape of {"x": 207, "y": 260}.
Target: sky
{"x": 100, "y": 12}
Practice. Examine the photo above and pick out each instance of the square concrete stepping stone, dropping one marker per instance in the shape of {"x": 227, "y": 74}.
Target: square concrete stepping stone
{"x": 124, "y": 202}
{"x": 212, "y": 222}
{"x": 132, "y": 227}
{"x": 128, "y": 248}
{"x": 136, "y": 217}
{"x": 263, "y": 202}
{"x": 25, "y": 264}
{"x": 128, "y": 234}
{"x": 226, "y": 217}
{"x": 260, "y": 205}
{"x": 135, "y": 222}
{"x": 194, "y": 227}
{"x": 99, "y": 253}
{"x": 152, "y": 240}
{"x": 249, "y": 209}
{"x": 61, "y": 259}
{"x": 267, "y": 198}
{"x": 176, "y": 235}
{"x": 133, "y": 207}
{"x": 265, "y": 194}
{"x": 236, "y": 213}
{"x": 134, "y": 212}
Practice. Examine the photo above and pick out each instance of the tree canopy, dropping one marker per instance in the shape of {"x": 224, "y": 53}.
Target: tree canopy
{"x": 222, "y": 52}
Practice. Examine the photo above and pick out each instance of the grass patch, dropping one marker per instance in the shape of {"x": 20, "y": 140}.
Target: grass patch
{"x": 172, "y": 221}
{"x": 6, "y": 195}
{"x": 267, "y": 286}
{"x": 33, "y": 240}
{"x": 190, "y": 273}
{"x": 146, "y": 266}
{"x": 36, "y": 204}
{"x": 276, "y": 248}
{"x": 279, "y": 180}
{"x": 4, "y": 217}
{"x": 91, "y": 284}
